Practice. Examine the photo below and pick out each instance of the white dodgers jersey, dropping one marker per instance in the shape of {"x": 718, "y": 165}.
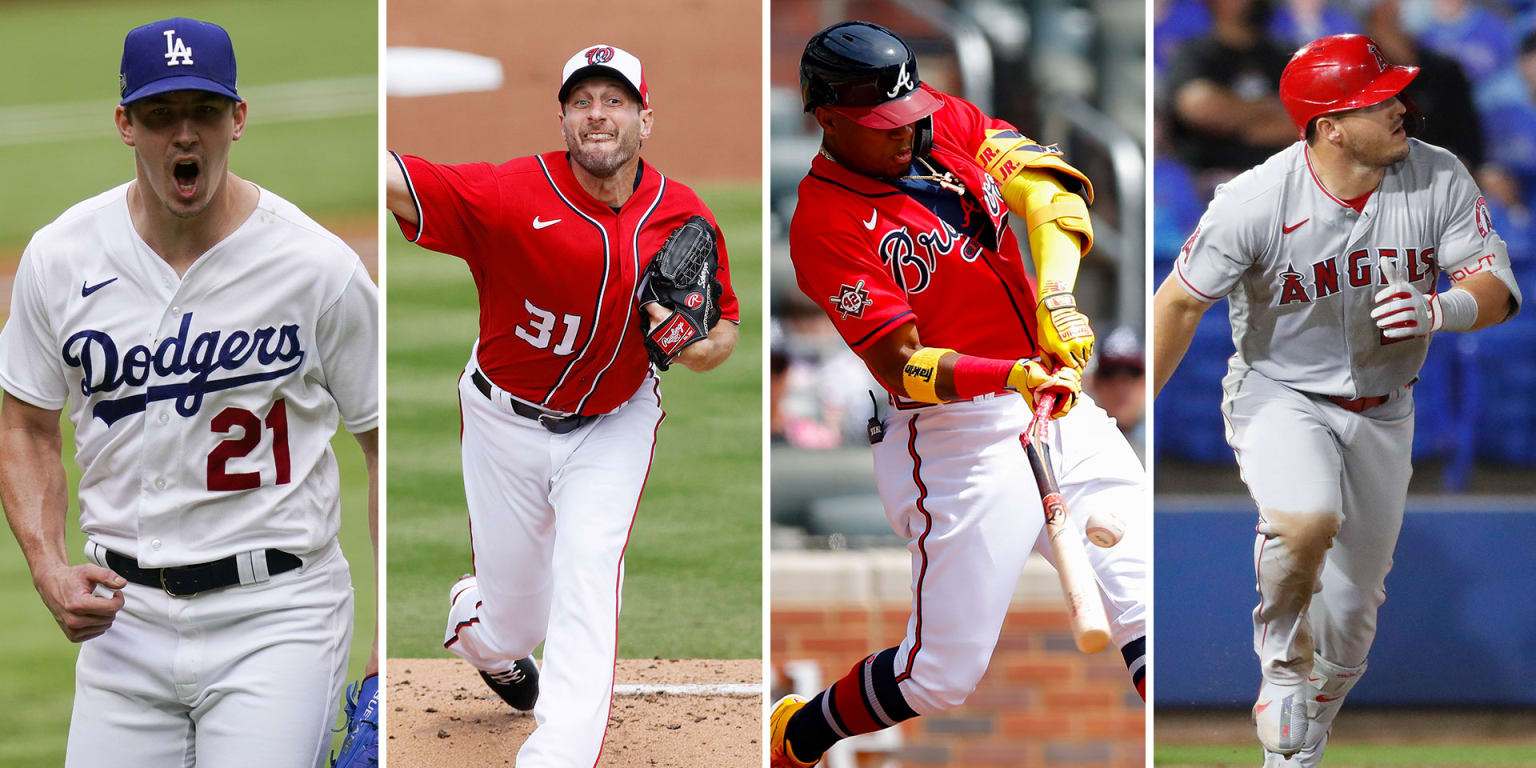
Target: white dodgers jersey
{"x": 1301, "y": 268}
{"x": 203, "y": 405}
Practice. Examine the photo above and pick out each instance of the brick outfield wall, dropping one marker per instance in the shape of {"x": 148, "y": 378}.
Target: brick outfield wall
{"x": 1041, "y": 702}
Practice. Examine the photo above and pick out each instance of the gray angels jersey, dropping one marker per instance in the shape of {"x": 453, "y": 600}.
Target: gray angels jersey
{"x": 1301, "y": 268}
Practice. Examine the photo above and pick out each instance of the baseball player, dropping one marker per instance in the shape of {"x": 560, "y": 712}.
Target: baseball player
{"x": 560, "y": 402}
{"x": 1329, "y": 253}
{"x": 902, "y": 237}
{"x": 205, "y": 336}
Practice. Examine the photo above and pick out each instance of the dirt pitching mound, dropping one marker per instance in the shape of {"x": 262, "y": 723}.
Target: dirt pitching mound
{"x": 441, "y": 715}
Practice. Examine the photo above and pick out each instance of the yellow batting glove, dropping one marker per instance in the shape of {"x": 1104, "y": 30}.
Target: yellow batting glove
{"x": 1029, "y": 378}
{"x": 1064, "y": 332}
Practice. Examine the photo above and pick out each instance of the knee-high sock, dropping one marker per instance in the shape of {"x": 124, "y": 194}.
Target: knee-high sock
{"x": 863, "y": 701}
{"x": 1135, "y": 655}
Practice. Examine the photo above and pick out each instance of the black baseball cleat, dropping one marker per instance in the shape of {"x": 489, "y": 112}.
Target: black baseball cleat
{"x": 518, "y": 686}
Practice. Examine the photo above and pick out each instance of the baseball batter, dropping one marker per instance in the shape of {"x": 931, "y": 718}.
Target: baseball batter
{"x": 205, "y": 336}
{"x": 561, "y": 405}
{"x": 902, "y": 236}
{"x": 1329, "y": 254}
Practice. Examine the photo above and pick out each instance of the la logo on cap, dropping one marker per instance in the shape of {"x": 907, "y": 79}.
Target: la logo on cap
{"x": 176, "y": 52}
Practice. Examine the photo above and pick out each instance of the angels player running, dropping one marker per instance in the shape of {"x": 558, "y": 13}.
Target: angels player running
{"x": 1329, "y": 254}
{"x": 560, "y": 404}
{"x": 205, "y": 336}
{"x": 902, "y": 236}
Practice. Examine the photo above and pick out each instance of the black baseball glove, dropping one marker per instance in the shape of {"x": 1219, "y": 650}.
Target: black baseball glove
{"x": 681, "y": 278}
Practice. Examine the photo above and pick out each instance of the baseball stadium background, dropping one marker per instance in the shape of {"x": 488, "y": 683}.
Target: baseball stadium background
{"x": 485, "y": 88}
{"x": 1067, "y": 72}
{"x": 308, "y": 72}
{"x": 1452, "y": 679}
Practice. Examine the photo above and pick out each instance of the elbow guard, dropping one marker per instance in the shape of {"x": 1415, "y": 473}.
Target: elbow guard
{"x": 1495, "y": 261}
{"x": 1004, "y": 154}
{"x": 1040, "y": 198}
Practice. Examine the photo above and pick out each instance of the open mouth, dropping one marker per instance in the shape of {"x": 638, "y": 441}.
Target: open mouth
{"x": 186, "y": 173}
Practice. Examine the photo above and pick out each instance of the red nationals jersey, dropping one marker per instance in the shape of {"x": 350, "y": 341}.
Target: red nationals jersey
{"x": 556, "y": 271}
{"x": 874, "y": 258}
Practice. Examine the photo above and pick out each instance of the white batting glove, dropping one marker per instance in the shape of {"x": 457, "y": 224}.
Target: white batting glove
{"x": 1401, "y": 311}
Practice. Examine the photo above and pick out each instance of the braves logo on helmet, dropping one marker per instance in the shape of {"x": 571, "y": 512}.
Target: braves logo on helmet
{"x": 601, "y": 54}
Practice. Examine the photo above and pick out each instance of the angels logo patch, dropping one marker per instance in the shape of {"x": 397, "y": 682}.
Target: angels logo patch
{"x": 1484, "y": 220}
{"x": 852, "y": 300}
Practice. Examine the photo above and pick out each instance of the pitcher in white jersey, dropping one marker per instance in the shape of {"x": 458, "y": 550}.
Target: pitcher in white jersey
{"x": 205, "y": 336}
{"x": 1329, "y": 254}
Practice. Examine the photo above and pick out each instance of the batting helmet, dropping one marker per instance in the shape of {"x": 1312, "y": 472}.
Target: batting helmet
{"x": 867, "y": 73}
{"x": 1336, "y": 73}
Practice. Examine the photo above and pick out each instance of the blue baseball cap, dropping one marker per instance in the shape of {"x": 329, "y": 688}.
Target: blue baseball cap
{"x": 177, "y": 55}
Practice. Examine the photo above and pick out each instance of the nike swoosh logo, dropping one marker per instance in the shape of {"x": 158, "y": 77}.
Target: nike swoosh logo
{"x": 1259, "y": 709}
{"x": 1284, "y": 230}
{"x": 1326, "y": 699}
{"x": 542, "y": 224}
{"x": 86, "y": 290}
{"x": 870, "y": 225}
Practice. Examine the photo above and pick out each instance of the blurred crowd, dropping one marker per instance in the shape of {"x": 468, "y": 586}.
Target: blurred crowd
{"x": 1217, "y": 72}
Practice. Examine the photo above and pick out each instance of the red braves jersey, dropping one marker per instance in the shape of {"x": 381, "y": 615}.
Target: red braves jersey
{"x": 874, "y": 258}
{"x": 556, "y": 271}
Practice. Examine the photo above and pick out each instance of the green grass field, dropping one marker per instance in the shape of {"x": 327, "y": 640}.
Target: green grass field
{"x": 70, "y": 51}
{"x": 692, "y": 586}
{"x": 63, "y": 56}
{"x": 1454, "y": 755}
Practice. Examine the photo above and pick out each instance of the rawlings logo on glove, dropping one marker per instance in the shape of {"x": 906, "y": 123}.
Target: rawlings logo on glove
{"x": 681, "y": 278}
{"x": 361, "y": 747}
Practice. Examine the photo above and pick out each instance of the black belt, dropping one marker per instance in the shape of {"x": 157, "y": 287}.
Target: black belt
{"x": 188, "y": 580}
{"x": 556, "y": 424}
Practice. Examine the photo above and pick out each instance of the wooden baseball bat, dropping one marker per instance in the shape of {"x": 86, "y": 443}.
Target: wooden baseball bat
{"x": 1090, "y": 627}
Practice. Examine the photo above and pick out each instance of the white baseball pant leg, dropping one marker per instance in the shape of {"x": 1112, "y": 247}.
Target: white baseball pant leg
{"x": 246, "y": 676}
{"x": 1330, "y": 486}
{"x": 956, "y": 483}
{"x": 550, "y": 517}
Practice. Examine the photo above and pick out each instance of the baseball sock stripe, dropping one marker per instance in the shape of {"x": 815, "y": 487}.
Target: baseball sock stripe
{"x": 871, "y": 699}
{"x": 886, "y": 690}
{"x": 815, "y": 728}
{"x": 1135, "y": 655}
{"x": 849, "y": 705}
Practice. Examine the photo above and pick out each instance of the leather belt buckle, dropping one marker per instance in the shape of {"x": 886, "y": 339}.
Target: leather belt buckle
{"x": 550, "y": 421}
{"x": 167, "y": 587}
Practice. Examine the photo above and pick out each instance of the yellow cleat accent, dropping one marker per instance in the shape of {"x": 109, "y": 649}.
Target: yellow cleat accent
{"x": 779, "y": 754}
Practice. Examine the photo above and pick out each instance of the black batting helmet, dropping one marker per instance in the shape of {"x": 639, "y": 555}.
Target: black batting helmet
{"x": 866, "y": 73}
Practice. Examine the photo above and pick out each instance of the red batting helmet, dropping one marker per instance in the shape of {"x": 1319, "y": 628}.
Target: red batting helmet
{"x": 1336, "y": 73}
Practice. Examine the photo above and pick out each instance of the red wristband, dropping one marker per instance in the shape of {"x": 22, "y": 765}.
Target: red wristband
{"x": 976, "y": 376}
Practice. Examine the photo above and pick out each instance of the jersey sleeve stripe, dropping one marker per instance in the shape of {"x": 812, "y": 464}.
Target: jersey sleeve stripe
{"x": 634, "y": 254}
{"x": 421, "y": 224}
{"x": 602, "y": 289}
{"x": 878, "y": 331}
{"x": 1189, "y": 286}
